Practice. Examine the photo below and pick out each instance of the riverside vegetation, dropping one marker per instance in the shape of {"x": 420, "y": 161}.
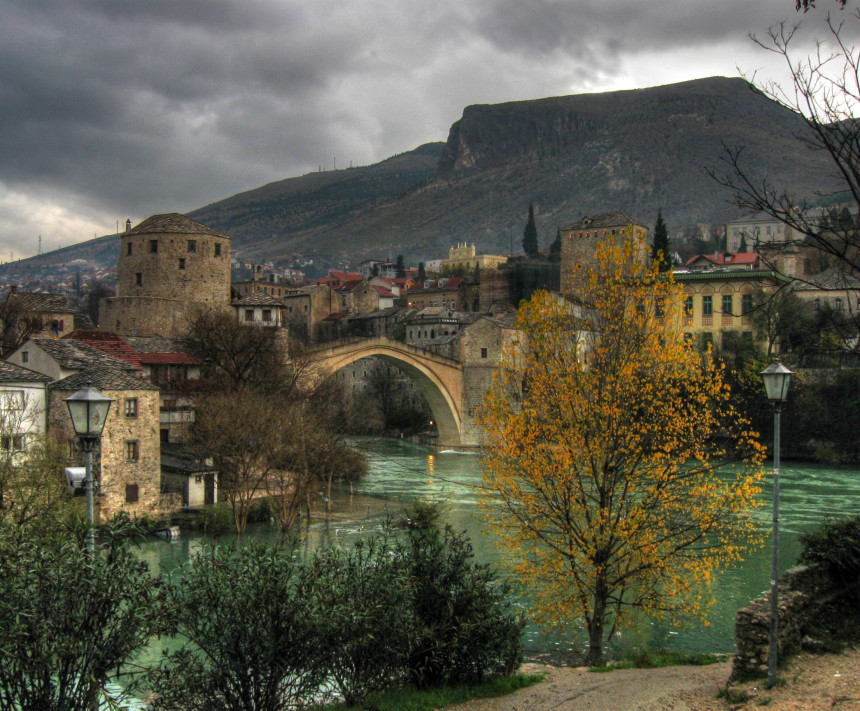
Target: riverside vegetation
{"x": 262, "y": 630}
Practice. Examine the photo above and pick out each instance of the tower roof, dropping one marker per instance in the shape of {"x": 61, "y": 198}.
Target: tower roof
{"x": 174, "y": 223}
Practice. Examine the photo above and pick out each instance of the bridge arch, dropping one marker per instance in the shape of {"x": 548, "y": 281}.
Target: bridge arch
{"x": 438, "y": 378}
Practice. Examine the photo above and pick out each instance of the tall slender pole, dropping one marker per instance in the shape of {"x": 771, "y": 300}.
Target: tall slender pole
{"x": 773, "y": 642}
{"x": 91, "y": 532}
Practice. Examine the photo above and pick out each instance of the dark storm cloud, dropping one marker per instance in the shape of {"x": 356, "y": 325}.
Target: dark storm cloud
{"x": 115, "y": 108}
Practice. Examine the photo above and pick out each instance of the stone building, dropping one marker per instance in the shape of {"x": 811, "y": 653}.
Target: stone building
{"x": 128, "y": 465}
{"x": 41, "y": 314}
{"x": 260, "y": 309}
{"x": 306, "y": 308}
{"x": 579, "y": 242}
{"x": 169, "y": 267}
{"x": 465, "y": 257}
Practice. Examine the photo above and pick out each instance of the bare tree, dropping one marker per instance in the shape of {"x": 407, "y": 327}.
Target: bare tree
{"x": 33, "y": 492}
{"x": 17, "y": 325}
{"x": 825, "y": 93}
{"x": 242, "y": 433}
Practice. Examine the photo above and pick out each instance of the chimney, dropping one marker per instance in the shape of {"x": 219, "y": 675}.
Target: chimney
{"x": 13, "y": 289}
{"x": 127, "y": 226}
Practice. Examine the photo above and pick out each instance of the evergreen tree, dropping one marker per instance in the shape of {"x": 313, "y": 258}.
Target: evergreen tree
{"x": 400, "y": 269}
{"x": 530, "y": 235}
{"x": 555, "y": 247}
{"x": 422, "y": 274}
{"x": 660, "y": 249}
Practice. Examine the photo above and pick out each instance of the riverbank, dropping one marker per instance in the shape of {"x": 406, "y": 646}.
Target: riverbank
{"x": 811, "y": 683}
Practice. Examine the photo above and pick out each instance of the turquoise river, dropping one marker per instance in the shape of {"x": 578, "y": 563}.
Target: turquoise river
{"x": 401, "y": 472}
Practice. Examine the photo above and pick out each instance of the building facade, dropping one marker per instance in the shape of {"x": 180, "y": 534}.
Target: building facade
{"x": 169, "y": 267}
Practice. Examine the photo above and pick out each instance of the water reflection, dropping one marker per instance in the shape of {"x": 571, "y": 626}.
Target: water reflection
{"x": 401, "y": 472}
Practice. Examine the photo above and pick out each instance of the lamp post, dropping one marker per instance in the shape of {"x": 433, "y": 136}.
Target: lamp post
{"x": 776, "y": 379}
{"x": 88, "y": 409}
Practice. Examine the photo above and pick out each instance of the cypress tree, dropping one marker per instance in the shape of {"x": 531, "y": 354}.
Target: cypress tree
{"x": 422, "y": 274}
{"x": 400, "y": 269}
{"x": 660, "y": 249}
{"x": 530, "y": 235}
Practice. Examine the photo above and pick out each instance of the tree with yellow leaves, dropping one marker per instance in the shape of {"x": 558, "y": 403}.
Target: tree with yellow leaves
{"x": 606, "y": 430}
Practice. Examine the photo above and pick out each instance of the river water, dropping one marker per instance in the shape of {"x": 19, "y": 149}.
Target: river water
{"x": 401, "y": 472}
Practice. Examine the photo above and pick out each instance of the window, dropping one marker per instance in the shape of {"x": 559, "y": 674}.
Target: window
{"x": 12, "y": 443}
{"x": 267, "y": 314}
{"x": 12, "y": 400}
{"x": 838, "y": 305}
{"x": 138, "y": 278}
{"x": 217, "y": 249}
{"x": 727, "y": 305}
{"x": 483, "y": 353}
{"x": 182, "y": 262}
{"x": 128, "y": 249}
{"x": 707, "y": 305}
{"x": 153, "y": 246}
{"x": 746, "y": 304}
{"x": 132, "y": 493}
{"x": 688, "y": 306}
{"x": 747, "y": 335}
{"x": 132, "y": 450}
{"x": 25, "y": 356}
{"x": 192, "y": 246}
{"x": 131, "y": 407}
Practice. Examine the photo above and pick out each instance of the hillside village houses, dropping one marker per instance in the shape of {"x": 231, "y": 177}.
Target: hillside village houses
{"x": 170, "y": 266}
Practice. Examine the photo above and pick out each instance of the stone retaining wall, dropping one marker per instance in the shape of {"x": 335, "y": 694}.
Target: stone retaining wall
{"x": 804, "y": 595}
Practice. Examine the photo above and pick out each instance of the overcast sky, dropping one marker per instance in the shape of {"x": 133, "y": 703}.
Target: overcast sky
{"x": 115, "y": 109}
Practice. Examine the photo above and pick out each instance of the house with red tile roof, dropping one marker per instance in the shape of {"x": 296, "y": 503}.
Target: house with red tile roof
{"x": 727, "y": 260}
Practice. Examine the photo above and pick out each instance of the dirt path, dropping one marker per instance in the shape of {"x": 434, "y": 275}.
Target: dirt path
{"x": 569, "y": 689}
{"x": 811, "y": 683}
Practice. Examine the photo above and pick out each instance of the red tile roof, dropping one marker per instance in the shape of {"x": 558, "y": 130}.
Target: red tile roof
{"x": 107, "y": 342}
{"x": 722, "y": 260}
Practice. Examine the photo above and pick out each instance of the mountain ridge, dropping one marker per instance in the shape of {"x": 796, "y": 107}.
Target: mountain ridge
{"x": 634, "y": 151}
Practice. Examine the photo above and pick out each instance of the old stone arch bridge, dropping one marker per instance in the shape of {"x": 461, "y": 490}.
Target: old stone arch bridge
{"x": 439, "y": 378}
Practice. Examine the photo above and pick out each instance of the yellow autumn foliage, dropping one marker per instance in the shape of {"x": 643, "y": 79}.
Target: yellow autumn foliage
{"x": 606, "y": 429}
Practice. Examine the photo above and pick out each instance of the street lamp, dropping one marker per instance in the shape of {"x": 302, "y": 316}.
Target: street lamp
{"x": 776, "y": 379}
{"x": 88, "y": 409}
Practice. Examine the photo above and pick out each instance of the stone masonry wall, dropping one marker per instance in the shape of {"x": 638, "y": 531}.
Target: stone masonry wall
{"x": 111, "y": 466}
{"x": 184, "y": 267}
{"x": 804, "y": 593}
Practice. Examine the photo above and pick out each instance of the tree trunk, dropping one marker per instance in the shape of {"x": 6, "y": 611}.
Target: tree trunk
{"x": 596, "y": 626}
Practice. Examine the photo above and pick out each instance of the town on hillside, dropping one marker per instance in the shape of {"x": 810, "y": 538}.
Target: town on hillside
{"x": 450, "y": 318}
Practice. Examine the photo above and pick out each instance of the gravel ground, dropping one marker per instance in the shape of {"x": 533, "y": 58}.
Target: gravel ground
{"x": 812, "y": 683}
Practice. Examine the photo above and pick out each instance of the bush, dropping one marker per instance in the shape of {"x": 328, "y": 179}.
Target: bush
{"x": 465, "y": 627}
{"x": 217, "y": 520}
{"x": 361, "y": 602}
{"x": 836, "y": 547}
{"x": 70, "y": 619}
{"x": 251, "y": 643}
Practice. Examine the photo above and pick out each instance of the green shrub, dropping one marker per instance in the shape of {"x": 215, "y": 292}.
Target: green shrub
{"x": 836, "y": 547}
{"x": 361, "y": 602}
{"x": 260, "y": 511}
{"x": 70, "y": 618}
{"x": 250, "y": 644}
{"x": 465, "y": 627}
{"x": 217, "y": 520}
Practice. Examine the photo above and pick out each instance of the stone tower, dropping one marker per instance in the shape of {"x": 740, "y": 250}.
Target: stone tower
{"x": 579, "y": 242}
{"x": 169, "y": 267}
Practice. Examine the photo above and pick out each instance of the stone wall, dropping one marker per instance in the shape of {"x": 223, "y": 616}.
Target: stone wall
{"x": 183, "y": 267}
{"x": 805, "y": 594}
{"x": 121, "y": 477}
